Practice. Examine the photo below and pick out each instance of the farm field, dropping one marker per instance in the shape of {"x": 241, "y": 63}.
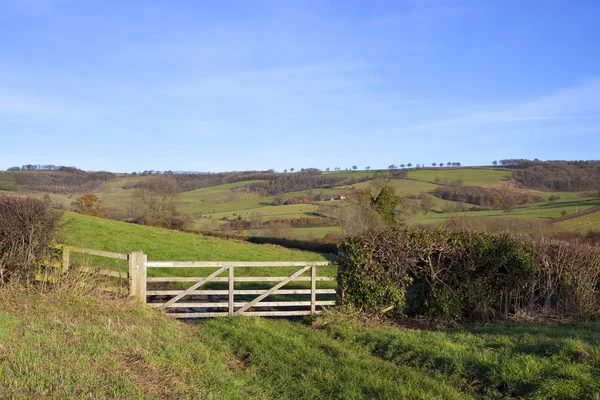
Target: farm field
{"x": 470, "y": 177}
{"x": 210, "y": 208}
{"x": 162, "y": 244}
{"x": 68, "y": 346}
{"x": 582, "y": 224}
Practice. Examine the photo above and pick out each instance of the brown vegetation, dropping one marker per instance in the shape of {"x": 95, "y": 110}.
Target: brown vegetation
{"x": 561, "y": 176}
{"x": 28, "y": 228}
{"x": 59, "y": 181}
{"x": 505, "y": 199}
{"x": 89, "y": 204}
{"x": 154, "y": 204}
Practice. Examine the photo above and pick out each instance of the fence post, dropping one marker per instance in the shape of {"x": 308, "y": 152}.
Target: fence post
{"x": 313, "y": 289}
{"x": 137, "y": 275}
{"x": 231, "y": 287}
{"x": 66, "y": 258}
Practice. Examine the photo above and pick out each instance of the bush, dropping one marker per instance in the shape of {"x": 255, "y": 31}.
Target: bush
{"x": 28, "y": 227}
{"x": 468, "y": 276}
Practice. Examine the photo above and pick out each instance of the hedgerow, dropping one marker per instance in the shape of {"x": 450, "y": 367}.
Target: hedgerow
{"x": 467, "y": 275}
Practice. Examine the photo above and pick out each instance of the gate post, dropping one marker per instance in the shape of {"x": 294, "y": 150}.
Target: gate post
{"x": 137, "y": 275}
{"x": 66, "y": 258}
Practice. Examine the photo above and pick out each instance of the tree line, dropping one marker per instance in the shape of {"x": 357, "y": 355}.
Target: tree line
{"x": 563, "y": 176}
{"x": 486, "y": 197}
{"x": 55, "y": 181}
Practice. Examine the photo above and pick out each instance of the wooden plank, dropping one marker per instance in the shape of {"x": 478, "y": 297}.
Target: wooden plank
{"x": 223, "y": 304}
{"x": 195, "y": 286}
{"x": 241, "y": 279}
{"x": 249, "y": 313}
{"x": 271, "y": 290}
{"x": 313, "y": 288}
{"x": 197, "y": 315}
{"x": 217, "y": 264}
{"x": 66, "y": 258}
{"x": 226, "y": 292}
{"x": 108, "y": 254}
{"x": 105, "y": 272}
{"x": 231, "y": 294}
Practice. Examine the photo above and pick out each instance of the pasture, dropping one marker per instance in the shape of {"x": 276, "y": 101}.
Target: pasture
{"x": 68, "y": 346}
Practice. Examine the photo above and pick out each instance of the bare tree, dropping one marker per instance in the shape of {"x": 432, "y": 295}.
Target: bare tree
{"x": 427, "y": 203}
{"x": 154, "y": 200}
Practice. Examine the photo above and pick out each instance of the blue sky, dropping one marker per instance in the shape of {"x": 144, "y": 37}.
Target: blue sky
{"x": 218, "y": 86}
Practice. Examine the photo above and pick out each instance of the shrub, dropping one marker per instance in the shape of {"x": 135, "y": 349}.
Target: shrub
{"x": 568, "y": 282}
{"x": 28, "y": 227}
{"x": 372, "y": 276}
{"x": 553, "y": 198}
{"x": 468, "y": 275}
{"x": 89, "y": 204}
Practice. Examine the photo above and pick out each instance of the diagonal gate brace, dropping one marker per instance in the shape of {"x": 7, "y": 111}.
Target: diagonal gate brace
{"x": 270, "y": 291}
{"x": 194, "y": 287}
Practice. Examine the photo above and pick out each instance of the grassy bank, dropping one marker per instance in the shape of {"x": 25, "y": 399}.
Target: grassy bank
{"x": 65, "y": 346}
{"x": 162, "y": 244}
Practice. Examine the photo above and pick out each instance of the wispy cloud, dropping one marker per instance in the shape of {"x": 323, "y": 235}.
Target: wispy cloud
{"x": 577, "y": 104}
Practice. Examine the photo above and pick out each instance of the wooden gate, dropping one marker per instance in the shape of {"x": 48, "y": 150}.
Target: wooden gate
{"x": 223, "y": 301}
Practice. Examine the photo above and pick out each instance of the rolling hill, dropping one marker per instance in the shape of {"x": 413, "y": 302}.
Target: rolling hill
{"x": 212, "y": 207}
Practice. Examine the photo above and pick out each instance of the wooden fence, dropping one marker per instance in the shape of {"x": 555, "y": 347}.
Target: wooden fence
{"x": 217, "y": 302}
{"x": 51, "y": 273}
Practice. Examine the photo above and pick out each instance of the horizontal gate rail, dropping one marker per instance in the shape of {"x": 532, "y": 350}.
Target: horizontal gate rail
{"x": 241, "y": 304}
{"x": 238, "y": 291}
{"x": 213, "y": 264}
{"x": 241, "y": 279}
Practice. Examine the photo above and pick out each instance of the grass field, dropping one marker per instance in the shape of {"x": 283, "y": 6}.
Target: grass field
{"x": 582, "y": 224}
{"x": 470, "y": 177}
{"x": 162, "y": 244}
{"x": 68, "y": 346}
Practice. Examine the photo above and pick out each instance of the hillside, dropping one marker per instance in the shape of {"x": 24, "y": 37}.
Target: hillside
{"x": 212, "y": 207}
{"x": 162, "y": 244}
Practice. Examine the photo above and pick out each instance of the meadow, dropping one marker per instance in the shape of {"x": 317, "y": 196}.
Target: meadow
{"x": 67, "y": 346}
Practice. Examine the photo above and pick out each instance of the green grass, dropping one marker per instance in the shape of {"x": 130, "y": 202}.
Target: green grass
{"x": 68, "y": 346}
{"x": 582, "y": 224}
{"x": 470, "y": 177}
{"x": 162, "y": 244}
{"x": 523, "y": 361}
{"x": 352, "y": 174}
